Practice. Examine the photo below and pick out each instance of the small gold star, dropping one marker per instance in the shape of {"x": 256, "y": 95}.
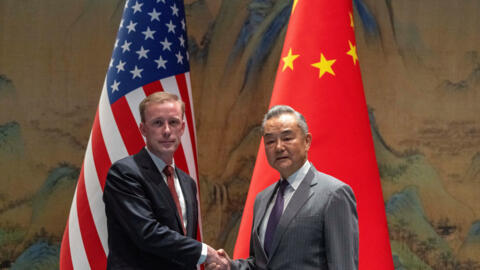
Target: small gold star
{"x": 351, "y": 20}
{"x": 353, "y": 52}
{"x": 288, "y": 60}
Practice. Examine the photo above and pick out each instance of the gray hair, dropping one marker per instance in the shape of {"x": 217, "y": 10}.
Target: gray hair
{"x": 278, "y": 110}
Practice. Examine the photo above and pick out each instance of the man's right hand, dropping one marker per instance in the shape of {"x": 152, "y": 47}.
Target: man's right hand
{"x": 217, "y": 260}
{"x": 222, "y": 253}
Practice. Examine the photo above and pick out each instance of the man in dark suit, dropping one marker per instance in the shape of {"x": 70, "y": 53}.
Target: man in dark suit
{"x": 151, "y": 205}
{"x": 307, "y": 220}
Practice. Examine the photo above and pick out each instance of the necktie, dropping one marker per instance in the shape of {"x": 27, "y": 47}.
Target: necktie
{"x": 274, "y": 218}
{"x": 168, "y": 171}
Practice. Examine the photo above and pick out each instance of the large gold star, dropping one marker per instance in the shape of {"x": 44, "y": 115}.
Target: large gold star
{"x": 353, "y": 52}
{"x": 324, "y": 65}
{"x": 288, "y": 60}
{"x": 295, "y": 2}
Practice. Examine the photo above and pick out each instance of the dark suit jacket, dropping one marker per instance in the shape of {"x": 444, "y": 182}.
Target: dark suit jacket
{"x": 143, "y": 224}
{"x": 318, "y": 229}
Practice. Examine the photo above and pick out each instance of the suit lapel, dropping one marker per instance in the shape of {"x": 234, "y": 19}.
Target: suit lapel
{"x": 263, "y": 202}
{"x": 150, "y": 171}
{"x": 189, "y": 196}
{"x": 299, "y": 198}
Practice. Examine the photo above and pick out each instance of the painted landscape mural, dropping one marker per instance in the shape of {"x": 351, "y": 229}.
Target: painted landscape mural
{"x": 420, "y": 63}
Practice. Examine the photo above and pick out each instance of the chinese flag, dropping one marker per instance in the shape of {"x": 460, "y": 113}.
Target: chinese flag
{"x": 319, "y": 76}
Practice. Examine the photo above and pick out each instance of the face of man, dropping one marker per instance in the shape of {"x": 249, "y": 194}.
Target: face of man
{"x": 163, "y": 128}
{"x": 286, "y": 146}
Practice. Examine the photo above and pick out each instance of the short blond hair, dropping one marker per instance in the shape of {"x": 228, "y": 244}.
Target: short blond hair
{"x": 159, "y": 97}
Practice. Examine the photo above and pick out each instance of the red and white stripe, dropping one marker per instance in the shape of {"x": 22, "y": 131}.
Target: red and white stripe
{"x": 115, "y": 135}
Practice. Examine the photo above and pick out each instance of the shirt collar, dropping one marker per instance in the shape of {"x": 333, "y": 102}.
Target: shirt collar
{"x": 158, "y": 161}
{"x": 296, "y": 178}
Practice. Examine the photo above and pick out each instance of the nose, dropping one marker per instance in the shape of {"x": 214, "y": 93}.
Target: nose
{"x": 279, "y": 147}
{"x": 166, "y": 130}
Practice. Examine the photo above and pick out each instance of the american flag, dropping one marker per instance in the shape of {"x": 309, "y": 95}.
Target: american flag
{"x": 150, "y": 55}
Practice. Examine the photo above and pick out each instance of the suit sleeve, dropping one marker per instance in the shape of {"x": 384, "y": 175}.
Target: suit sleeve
{"x": 341, "y": 230}
{"x": 126, "y": 202}
{"x": 245, "y": 264}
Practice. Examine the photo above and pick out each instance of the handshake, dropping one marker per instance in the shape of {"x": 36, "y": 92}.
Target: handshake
{"x": 217, "y": 260}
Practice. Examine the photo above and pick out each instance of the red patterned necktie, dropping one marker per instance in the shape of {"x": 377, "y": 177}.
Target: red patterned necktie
{"x": 168, "y": 171}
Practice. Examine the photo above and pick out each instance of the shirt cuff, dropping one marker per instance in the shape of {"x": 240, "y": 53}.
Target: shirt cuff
{"x": 203, "y": 255}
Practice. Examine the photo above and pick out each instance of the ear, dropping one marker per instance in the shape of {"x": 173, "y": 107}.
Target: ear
{"x": 308, "y": 140}
{"x": 142, "y": 129}
{"x": 183, "y": 128}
